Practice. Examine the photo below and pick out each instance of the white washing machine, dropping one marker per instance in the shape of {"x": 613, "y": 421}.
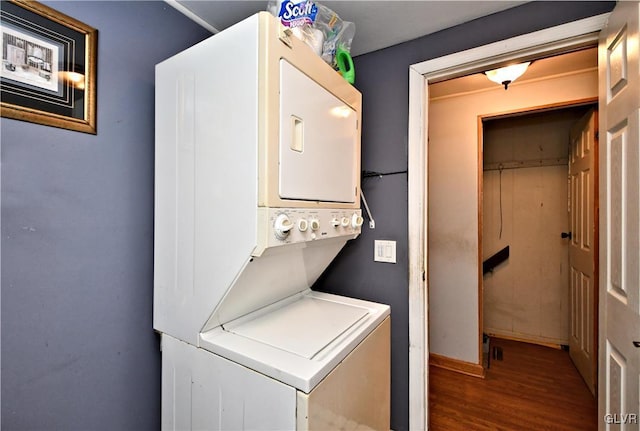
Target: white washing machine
{"x": 257, "y": 190}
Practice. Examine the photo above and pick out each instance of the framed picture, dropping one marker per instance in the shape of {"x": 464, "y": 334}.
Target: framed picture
{"x": 48, "y": 72}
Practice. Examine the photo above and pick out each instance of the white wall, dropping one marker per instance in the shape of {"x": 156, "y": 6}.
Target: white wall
{"x": 453, "y": 201}
{"x": 526, "y": 297}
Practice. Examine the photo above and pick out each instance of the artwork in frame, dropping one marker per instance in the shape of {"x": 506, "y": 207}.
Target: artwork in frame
{"x": 48, "y": 71}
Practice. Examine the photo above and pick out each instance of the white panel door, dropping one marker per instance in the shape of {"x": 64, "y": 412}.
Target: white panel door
{"x": 318, "y": 141}
{"x": 582, "y": 246}
{"x": 618, "y": 387}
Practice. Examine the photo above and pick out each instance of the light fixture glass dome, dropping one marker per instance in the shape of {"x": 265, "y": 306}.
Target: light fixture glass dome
{"x": 506, "y": 75}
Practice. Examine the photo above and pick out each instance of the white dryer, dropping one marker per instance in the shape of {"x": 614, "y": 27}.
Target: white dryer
{"x": 257, "y": 190}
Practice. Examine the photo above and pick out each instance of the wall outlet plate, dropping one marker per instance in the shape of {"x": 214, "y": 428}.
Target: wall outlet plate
{"x": 384, "y": 251}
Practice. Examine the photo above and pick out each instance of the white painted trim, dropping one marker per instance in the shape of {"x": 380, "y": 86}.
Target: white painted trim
{"x": 192, "y": 16}
{"x": 553, "y": 40}
{"x": 418, "y": 309}
{"x": 534, "y": 44}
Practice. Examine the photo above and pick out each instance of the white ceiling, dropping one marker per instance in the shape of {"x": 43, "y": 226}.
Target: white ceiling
{"x": 379, "y": 24}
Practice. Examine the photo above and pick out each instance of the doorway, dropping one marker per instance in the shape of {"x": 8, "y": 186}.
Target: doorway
{"x": 459, "y": 110}
{"x": 539, "y": 228}
{"x": 525, "y": 210}
{"x": 564, "y": 38}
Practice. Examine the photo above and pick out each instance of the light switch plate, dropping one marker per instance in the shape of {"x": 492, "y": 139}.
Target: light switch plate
{"x": 384, "y": 251}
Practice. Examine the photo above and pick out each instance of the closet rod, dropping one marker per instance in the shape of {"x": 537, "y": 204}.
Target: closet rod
{"x": 525, "y": 164}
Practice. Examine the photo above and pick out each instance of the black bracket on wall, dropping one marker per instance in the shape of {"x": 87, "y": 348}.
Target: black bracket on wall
{"x": 495, "y": 260}
{"x": 372, "y": 174}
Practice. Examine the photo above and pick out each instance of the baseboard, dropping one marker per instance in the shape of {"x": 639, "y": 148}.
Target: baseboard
{"x": 463, "y": 367}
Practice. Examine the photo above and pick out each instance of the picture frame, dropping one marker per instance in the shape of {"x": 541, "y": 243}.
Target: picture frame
{"x": 48, "y": 71}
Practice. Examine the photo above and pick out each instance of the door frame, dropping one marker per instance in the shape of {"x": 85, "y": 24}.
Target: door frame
{"x": 551, "y": 41}
{"x": 568, "y": 104}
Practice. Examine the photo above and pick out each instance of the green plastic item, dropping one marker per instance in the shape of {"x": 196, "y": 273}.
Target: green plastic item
{"x": 345, "y": 65}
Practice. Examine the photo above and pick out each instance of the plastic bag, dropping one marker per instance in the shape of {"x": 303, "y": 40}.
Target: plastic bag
{"x": 317, "y": 25}
{"x": 337, "y": 33}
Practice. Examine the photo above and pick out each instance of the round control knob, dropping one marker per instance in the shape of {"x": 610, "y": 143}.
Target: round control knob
{"x": 335, "y": 222}
{"x": 315, "y": 224}
{"x": 356, "y": 220}
{"x": 345, "y": 221}
{"x": 282, "y": 226}
{"x": 303, "y": 225}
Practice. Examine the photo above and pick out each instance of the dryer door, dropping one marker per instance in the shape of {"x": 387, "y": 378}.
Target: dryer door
{"x": 318, "y": 141}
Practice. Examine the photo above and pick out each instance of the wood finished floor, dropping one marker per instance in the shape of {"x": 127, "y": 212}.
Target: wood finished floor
{"x": 533, "y": 388}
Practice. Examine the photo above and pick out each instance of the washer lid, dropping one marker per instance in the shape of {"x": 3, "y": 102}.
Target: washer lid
{"x": 303, "y": 327}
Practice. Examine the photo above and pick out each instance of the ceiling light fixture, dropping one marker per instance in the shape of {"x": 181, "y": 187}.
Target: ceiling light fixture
{"x": 506, "y": 75}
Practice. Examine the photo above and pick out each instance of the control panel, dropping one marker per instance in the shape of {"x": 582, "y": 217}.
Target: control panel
{"x": 281, "y": 226}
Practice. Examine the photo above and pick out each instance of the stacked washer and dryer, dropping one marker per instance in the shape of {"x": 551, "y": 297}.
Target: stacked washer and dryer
{"x": 257, "y": 190}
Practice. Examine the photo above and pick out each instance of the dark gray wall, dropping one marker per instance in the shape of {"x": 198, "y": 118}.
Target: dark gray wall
{"x": 78, "y": 348}
{"x": 382, "y": 77}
